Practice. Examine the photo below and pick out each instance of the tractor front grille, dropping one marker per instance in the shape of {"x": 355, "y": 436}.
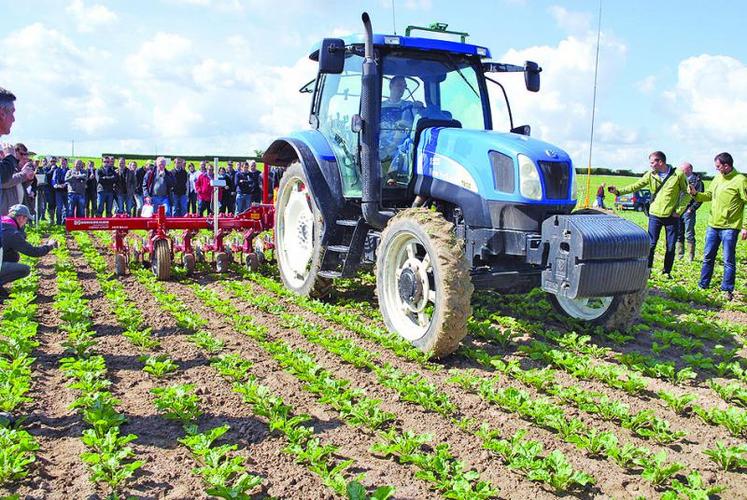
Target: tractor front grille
{"x": 557, "y": 177}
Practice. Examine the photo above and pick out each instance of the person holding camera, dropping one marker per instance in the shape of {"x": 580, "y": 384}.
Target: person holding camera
{"x": 728, "y": 196}
{"x": 687, "y": 221}
{"x": 13, "y": 189}
{"x": 14, "y": 243}
{"x": 667, "y": 184}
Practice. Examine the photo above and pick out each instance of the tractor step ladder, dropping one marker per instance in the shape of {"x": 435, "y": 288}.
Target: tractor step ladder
{"x": 342, "y": 259}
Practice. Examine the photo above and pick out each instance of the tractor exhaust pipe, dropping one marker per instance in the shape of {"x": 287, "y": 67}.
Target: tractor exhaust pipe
{"x": 370, "y": 116}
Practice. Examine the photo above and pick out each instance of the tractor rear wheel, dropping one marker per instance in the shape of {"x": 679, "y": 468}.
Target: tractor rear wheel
{"x": 120, "y": 264}
{"x": 617, "y": 312}
{"x": 160, "y": 260}
{"x": 423, "y": 281}
{"x": 298, "y": 235}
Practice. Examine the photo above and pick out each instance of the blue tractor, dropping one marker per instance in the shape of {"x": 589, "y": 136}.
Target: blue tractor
{"x": 402, "y": 169}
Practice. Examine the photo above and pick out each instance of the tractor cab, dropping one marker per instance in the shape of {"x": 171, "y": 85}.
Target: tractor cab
{"x": 423, "y": 83}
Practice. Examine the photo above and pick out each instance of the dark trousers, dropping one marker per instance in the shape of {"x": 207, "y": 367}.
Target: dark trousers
{"x": 60, "y": 199}
{"x": 91, "y": 203}
{"x": 105, "y": 203}
{"x": 192, "y": 203}
{"x": 51, "y": 204}
{"x": 715, "y": 238}
{"x": 671, "y": 226}
{"x": 204, "y": 207}
{"x": 76, "y": 205}
{"x": 12, "y": 271}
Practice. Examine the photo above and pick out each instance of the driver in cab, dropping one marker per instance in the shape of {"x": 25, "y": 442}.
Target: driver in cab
{"x": 397, "y": 116}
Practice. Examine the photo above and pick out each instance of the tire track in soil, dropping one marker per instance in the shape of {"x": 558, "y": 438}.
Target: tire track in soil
{"x": 219, "y": 403}
{"x": 612, "y": 479}
{"x": 58, "y": 472}
{"x": 466, "y": 447}
{"x": 352, "y": 442}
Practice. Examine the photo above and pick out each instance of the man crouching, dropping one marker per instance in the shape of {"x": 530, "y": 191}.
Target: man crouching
{"x": 14, "y": 242}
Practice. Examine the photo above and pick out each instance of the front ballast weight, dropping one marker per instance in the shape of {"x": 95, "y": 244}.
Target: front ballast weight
{"x": 596, "y": 267}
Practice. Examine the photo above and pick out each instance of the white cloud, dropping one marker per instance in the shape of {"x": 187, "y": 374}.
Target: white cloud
{"x": 160, "y": 58}
{"x": 90, "y": 17}
{"x": 647, "y": 85}
{"x": 572, "y": 22}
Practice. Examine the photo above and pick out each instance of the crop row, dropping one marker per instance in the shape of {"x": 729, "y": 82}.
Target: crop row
{"x": 18, "y": 328}
{"x": 111, "y": 461}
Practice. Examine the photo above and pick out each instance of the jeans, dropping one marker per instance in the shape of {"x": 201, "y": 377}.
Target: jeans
{"x": 105, "y": 201}
{"x": 687, "y": 227}
{"x": 714, "y": 237}
{"x": 138, "y": 204}
{"x": 42, "y": 200}
{"x": 243, "y": 201}
{"x": 76, "y": 205}
{"x": 600, "y": 201}
{"x": 180, "y": 205}
{"x": 193, "y": 203}
{"x": 204, "y": 207}
{"x": 670, "y": 225}
{"x": 157, "y": 201}
{"x": 91, "y": 204}
{"x": 125, "y": 204}
{"x": 12, "y": 271}
{"x": 60, "y": 199}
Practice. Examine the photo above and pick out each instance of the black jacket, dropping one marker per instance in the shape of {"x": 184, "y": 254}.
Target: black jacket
{"x": 139, "y": 176}
{"x": 106, "y": 178}
{"x": 14, "y": 242}
{"x": 248, "y": 182}
{"x": 181, "y": 182}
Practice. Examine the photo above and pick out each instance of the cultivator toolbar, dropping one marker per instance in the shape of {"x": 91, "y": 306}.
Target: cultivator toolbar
{"x": 160, "y": 248}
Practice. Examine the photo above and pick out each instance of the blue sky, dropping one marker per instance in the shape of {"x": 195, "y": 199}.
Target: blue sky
{"x": 221, "y": 76}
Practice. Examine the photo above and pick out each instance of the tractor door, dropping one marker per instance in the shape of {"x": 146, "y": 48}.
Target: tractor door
{"x": 339, "y": 101}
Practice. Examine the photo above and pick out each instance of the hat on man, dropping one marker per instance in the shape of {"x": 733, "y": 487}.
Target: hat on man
{"x": 19, "y": 209}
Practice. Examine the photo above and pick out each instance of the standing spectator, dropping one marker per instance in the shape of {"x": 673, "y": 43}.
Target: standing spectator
{"x": 600, "y": 195}
{"x": 666, "y": 184}
{"x": 158, "y": 185}
{"x": 76, "y": 180}
{"x": 12, "y": 189}
{"x": 276, "y": 173}
{"x": 204, "y": 191}
{"x": 139, "y": 178}
{"x": 181, "y": 188}
{"x": 255, "y": 183}
{"x": 14, "y": 242}
{"x": 192, "y": 193}
{"x": 90, "y": 189}
{"x": 728, "y": 196}
{"x": 223, "y": 193}
{"x": 49, "y": 191}
{"x": 125, "y": 188}
{"x": 131, "y": 186}
{"x": 120, "y": 187}
{"x": 106, "y": 178}
{"x": 60, "y": 192}
{"x": 8, "y": 160}
{"x": 687, "y": 221}
{"x": 230, "y": 188}
{"x": 243, "y": 190}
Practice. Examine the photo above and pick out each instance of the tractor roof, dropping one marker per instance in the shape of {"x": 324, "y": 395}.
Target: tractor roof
{"x": 411, "y": 42}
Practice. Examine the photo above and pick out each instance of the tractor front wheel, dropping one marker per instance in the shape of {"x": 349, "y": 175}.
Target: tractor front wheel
{"x": 423, "y": 281}
{"x": 298, "y": 235}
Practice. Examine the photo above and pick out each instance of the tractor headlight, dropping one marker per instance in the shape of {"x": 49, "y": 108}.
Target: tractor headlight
{"x": 529, "y": 179}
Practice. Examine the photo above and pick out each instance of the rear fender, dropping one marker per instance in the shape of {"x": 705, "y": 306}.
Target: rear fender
{"x": 321, "y": 171}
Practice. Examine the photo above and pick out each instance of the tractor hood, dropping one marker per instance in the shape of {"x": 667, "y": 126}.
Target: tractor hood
{"x": 487, "y": 163}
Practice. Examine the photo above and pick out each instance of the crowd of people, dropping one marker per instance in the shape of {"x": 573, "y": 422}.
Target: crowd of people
{"x": 57, "y": 189}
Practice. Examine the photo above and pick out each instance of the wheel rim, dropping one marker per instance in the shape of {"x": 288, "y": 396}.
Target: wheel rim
{"x": 296, "y": 232}
{"x": 585, "y": 308}
{"x": 410, "y": 295}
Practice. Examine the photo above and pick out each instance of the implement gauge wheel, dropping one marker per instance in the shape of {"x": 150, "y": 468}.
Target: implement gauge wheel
{"x": 188, "y": 260}
{"x": 423, "y": 281}
{"x": 160, "y": 260}
{"x": 120, "y": 264}
{"x": 298, "y": 235}
{"x": 222, "y": 261}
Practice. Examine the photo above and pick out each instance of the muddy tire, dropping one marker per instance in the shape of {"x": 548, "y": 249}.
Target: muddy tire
{"x": 120, "y": 264}
{"x": 189, "y": 262}
{"x": 613, "y": 313}
{"x": 298, "y": 235}
{"x": 423, "y": 281}
{"x": 160, "y": 260}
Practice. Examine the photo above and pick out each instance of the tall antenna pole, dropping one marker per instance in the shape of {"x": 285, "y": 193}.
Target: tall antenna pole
{"x": 394, "y": 22}
{"x": 593, "y": 108}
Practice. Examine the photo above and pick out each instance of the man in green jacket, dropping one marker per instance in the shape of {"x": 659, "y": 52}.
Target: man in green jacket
{"x": 728, "y": 196}
{"x": 666, "y": 184}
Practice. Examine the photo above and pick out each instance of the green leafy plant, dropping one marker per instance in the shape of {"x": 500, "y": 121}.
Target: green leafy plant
{"x": 158, "y": 365}
{"x": 178, "y": 402}
{"x": 728, "y": 457}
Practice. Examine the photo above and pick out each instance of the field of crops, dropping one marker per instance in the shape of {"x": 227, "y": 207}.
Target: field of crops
{"x": 228, "y": 386}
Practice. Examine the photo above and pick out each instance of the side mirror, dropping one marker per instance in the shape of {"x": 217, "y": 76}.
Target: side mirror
{"x": 522, "y": 130}
{"x": 532, "y": 76}
{"x": 332, "y": 56}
